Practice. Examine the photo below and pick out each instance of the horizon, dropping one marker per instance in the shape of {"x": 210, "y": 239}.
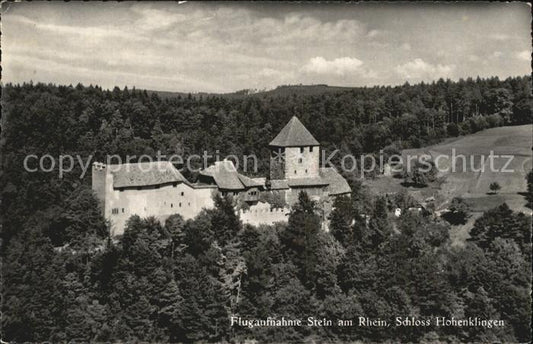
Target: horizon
{"x": 131, "y": 87}
{"x": 230, "y": 47}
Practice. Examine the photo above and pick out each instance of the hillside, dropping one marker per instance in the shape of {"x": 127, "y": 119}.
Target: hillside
{"x": 473, "y": 183}
{"x": 470, "y": 183}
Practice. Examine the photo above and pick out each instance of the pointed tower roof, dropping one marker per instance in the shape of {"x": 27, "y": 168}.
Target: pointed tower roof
{"x": 294, "y": 134}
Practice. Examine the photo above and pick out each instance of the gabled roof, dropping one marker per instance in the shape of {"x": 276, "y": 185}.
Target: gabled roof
{"x": 294, "y": 134}
{"x": 145, "y": 174}
{"x": 226, "y": 176}
{"x": 337, "y": 185}
{"x": 248, "y": 182}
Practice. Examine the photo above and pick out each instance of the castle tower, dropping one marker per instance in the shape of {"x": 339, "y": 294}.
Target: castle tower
{"x": 294, "y": 153}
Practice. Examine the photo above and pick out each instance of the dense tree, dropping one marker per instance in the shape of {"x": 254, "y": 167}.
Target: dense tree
{"x": 341, "y": 220}
{"x": 459, "y": 211}
{"x": 502, "y": 222}
{"x": 420, "y": 173}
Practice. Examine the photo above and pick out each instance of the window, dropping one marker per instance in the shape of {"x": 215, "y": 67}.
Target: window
{"x": 294, "y": 171}
{"x": 300, "y": 160}
{"x": 180, "y": 205}
{"x": 189, "y": 204}
{"x": 172, "y": 205}
{"x": 183, "y": 193}
{"x": 122, "y": 210}
{"x": 311, "y": 149}
{"x": 305, "y": 171}
{"x": 174, "y": 185}
{"x": 114, "y": 211}
{"x": 301, "y": 150}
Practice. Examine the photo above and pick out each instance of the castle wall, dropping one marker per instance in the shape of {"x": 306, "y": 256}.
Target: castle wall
{"x": 291, "y": 196}
{"x": 262, "y": 214}
{"x": 99, "y": 183}
{"x": 302, "y": 162}
{"x": 158, "y": 202}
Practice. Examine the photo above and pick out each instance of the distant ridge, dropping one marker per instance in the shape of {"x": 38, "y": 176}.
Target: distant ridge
{"x": 284, "y": 90}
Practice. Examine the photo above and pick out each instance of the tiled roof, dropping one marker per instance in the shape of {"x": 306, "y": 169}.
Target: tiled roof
{"x": 226, "y": 176}
{"x": 248, "y": 182}
{"x": 294, "y": 134}
{"x": 336, "y": 183}
{"x": 145, "y": 174}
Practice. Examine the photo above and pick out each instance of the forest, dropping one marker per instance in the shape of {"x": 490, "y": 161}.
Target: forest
{"x": 65, "y": 279}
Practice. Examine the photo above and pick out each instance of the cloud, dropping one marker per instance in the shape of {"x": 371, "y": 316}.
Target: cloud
{"x": 419, "y": 69}
{"x": 406, "y": 46}
{"x": 499, "y": 37}
{"x": 524, "y": 55}
{"x": 203, "y": 47}
{"x": 338, "y": 66}
{"x": 373, "y": 33}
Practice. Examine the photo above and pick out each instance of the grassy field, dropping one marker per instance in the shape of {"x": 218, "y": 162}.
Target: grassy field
{"x": 472, "y": 182}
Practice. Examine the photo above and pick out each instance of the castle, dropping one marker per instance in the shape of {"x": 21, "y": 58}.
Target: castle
{"x": 159, "y": 189}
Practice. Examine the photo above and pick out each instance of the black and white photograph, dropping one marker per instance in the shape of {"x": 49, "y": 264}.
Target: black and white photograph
{"x": 266, "y": 172}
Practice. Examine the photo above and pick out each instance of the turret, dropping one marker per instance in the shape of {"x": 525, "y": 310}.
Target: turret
{"x": 294, "y": 153}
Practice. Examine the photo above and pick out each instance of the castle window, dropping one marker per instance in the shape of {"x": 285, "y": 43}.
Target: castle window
{"x": 294, "y": 171}
{"x": 305, "y": 171}
{"x": 311, "y": 149}
{"x": 189, "y": 204}
{"x": 122, "y": 210}
{"x": 172, "y": 205}
{"x": 301, "y": 150}
{"x": 300, "y": 160}
{"x": 114, "y": 211}
{"x": 180, "y": 204}
{"x": 182, "y": 193}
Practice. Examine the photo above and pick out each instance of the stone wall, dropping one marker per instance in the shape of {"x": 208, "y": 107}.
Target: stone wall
{"x": 261, "y": 213}
{"x": 158, "y": 201}
{"x": 302, "y": 162}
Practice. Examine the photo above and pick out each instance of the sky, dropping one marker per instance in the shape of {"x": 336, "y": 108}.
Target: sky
{"x": 224, "y": 47}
